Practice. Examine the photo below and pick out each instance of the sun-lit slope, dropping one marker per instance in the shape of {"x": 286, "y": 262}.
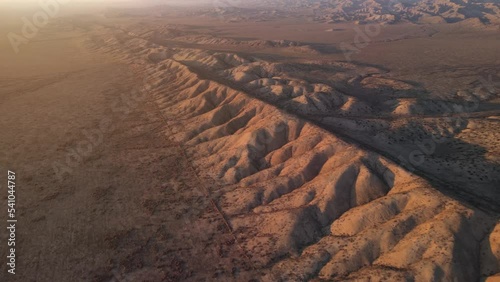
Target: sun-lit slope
{"x": 436, "y": 137}
{"x": 286, "y": 150}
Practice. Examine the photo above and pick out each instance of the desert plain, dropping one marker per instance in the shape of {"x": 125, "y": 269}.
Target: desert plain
{"x": 253, "y": 141}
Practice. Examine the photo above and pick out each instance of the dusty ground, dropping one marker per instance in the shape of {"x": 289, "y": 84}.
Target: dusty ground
{"x": 173, "y": 149}
{"x": 131, "y": 207}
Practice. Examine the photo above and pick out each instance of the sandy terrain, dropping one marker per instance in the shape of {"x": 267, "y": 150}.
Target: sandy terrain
{"x": 165, "y": 147}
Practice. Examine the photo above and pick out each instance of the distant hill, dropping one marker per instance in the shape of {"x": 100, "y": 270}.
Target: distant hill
{"x": 376, "y": 11}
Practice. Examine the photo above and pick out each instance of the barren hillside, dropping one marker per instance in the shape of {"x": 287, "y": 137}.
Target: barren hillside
{"x": 359, "y": 11}
{"x": 239, "y": 141}
{"x": 308, "y": 162}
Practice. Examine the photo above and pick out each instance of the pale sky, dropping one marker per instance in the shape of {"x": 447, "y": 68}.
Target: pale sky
{"x": 13, "y": 3}
{"x": 102, "y": 1}
{"x": 35, "y": 3}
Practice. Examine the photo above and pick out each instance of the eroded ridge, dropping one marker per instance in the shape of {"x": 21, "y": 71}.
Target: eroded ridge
{"x": 287, "y": 150}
